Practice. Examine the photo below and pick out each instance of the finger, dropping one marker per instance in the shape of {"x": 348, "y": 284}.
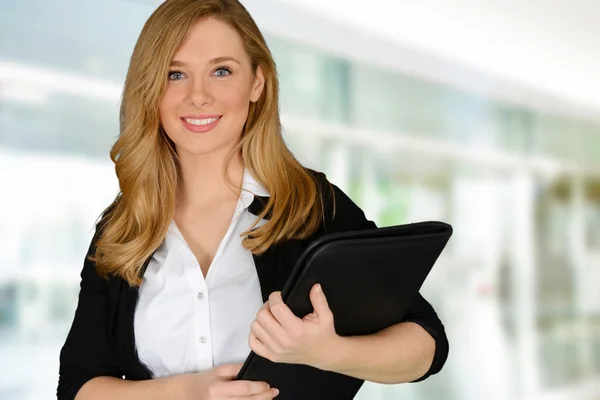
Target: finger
{"x": 319, "y": 302}
{"x": 312, "y": 317}
{"x": 261, "y": 334}
{"x": 265, "y": 306}
{"x": 270, "y": 394}
{"x": 243, "y": 388}
{"x": 270, "y": 324}
{"x": 228, "y": 370}
{"x": 282, "y": 312}
{"x": 258, "y": 347}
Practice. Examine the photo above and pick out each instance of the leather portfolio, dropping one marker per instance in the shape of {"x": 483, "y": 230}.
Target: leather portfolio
{"x": 369, "y": 278}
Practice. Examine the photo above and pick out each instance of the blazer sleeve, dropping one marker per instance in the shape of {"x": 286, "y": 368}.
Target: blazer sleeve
{"x": 86, "y": 353}
{"x": 348, "y": 216}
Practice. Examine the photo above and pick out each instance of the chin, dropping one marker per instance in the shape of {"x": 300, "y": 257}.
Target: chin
{"x": 201, "y": 150}
{"x": 198, "y": 149}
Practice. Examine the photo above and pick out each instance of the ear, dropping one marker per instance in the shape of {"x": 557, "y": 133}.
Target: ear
{"x": 258, "y": 85}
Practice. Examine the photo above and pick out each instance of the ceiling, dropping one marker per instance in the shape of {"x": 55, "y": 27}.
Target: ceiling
{"x": 551, "y": 46}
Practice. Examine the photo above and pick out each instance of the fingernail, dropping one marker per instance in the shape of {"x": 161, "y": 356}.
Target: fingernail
{"x": 276, "y": 392}
{"x": 319, "y": 288}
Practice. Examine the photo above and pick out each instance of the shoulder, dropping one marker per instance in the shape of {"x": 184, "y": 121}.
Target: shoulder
{"x": 341, "y": 213}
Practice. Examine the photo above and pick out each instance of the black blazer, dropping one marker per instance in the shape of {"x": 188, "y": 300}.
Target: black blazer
{"x": 101, "y": 339}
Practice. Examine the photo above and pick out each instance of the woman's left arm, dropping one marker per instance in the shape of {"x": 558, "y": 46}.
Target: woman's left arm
{"x": 412, "y": 350}
{"x": 409, "y": 351}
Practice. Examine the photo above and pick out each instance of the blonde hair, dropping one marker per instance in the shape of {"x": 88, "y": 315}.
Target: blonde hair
{"x": 135, "y": 224}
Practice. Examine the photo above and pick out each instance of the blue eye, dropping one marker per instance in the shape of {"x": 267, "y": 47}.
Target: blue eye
{"x": 222, "y": 71}
{"x": 175, "y": 75}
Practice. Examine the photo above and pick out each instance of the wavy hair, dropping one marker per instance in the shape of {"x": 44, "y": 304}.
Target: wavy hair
{"x": 146, "y": 164}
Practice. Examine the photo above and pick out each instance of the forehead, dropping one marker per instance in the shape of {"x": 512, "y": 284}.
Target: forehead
{"x": 210, "y": 38}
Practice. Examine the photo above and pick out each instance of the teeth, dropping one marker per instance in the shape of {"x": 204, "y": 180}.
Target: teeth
{"x": 200, "y": 121}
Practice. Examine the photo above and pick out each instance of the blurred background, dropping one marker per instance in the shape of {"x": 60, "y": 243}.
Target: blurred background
{"x": 480, "y": 113}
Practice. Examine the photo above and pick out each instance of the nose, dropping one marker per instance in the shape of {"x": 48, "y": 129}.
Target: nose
{"x": 199, "y": 92}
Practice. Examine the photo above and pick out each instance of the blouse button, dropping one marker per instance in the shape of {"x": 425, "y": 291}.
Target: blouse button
{"x": 200, "y": 295}
{"x": 203, "y": 339}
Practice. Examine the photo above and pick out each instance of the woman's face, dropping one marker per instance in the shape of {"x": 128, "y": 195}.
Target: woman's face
{"x": 209, "y": 89}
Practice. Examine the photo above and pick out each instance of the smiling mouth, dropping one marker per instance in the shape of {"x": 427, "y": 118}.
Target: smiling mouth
{"x": 201, "y": 122}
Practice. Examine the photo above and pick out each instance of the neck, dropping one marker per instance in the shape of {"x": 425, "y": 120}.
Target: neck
{"x": 206, "y": 179}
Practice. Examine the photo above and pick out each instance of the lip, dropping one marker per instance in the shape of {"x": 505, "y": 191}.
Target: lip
{"x": 200, "y": 128}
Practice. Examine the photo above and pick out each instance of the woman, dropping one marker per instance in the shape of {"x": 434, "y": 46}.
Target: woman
{"x": 183, "y": 275}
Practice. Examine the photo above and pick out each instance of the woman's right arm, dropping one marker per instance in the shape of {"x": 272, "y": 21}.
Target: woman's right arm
{"x": 108, "y": 387}
{"x": 216, "y": 383}
{"x": 88, "y": 370}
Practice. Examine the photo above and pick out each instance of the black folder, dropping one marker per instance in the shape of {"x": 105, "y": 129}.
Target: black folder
{"x": 370, "y": 278}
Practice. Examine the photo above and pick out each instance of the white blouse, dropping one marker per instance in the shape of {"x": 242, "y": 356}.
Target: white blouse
{"x": 184, "y": 323}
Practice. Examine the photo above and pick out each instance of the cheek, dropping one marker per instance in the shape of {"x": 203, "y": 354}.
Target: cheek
{"x": 236, "y": 100}
{"x": 168, "y": 103}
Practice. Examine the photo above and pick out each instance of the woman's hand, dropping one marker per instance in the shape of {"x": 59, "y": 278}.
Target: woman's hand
{"x": 278, "y": 335}
{"x": 218, "y": 384}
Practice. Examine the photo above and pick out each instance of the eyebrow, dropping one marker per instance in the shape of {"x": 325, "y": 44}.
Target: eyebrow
{"x": 217, "y": 60}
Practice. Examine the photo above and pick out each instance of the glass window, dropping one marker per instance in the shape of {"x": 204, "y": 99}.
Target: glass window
{"x": 389, "y": 101}
{"x": 312, "y": 84}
